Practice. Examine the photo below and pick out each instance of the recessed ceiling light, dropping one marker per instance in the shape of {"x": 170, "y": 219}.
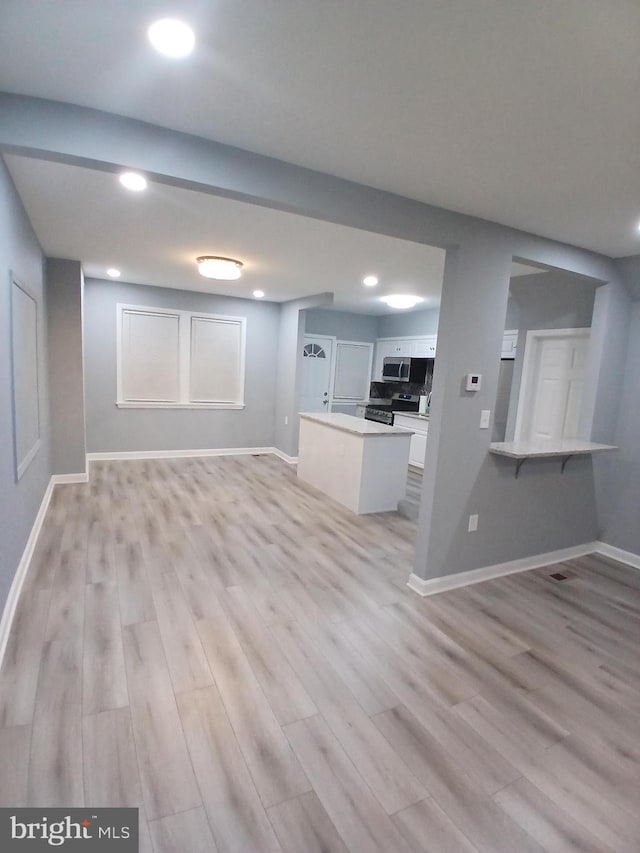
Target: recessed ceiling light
{"x": 213, "y": 266}
{"x": 258, "y": 294}
{"x": 370, "y": 280}
{"x": 398, "y": 300}
{"x": 113, "y": 272}
{"x": 171, "y": 37}
{"x": 133, "y": 181}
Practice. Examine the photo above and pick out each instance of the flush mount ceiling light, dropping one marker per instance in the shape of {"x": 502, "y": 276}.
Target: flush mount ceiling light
{"x": 171, "y": 37}
{"x": 133, "y": 181}
{"x": 370, "y": 280}
{"x": 213, "y": 266}
{"x": 397, "y": 300}
{"x": 258, "y": 294}
{"x": 113, "y": 272}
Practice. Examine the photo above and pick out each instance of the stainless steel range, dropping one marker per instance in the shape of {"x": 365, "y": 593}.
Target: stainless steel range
{"x": 382, "y": 410}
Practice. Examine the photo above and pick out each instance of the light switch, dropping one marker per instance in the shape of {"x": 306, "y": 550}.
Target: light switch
{"x": 485, "y": 417}
{"x": 473, "y": 523}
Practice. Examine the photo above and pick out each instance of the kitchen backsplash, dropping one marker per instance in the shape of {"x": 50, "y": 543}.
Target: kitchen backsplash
{"x": 385, "y": 390}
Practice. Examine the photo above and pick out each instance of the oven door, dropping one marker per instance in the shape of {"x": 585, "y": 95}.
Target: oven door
{"x": 381, "y": 416}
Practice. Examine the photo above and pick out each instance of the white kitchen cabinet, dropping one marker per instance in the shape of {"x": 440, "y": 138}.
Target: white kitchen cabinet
{"x": 389, "y": 349}
{"x": 418, "y": 449}
{"x": 392, "y": 348}
{"x": 425, "y": 347}
{"x": 509, "y": 343}
{"x": 420, "y": 428}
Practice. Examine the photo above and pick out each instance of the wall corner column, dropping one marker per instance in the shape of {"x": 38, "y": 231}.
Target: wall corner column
{"x": 65, "y": 286}
{"x": 472, "y": 316}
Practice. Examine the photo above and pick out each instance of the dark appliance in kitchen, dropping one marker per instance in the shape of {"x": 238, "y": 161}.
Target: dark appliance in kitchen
{"x": 382, "y": 410}
{"x": 407, "y": 369}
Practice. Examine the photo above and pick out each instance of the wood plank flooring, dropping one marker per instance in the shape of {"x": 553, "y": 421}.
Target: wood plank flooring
{"x": 220, "y": 646}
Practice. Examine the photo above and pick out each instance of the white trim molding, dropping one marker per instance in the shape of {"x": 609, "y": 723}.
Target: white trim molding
{"x": 179, "y": 454}
{"x": 61, "y": 479}
{"x": 431, "y": 586}
{"x": 618, "y": 554}
{"x": 292, "y": 460}
{"x": 21, "y": 572}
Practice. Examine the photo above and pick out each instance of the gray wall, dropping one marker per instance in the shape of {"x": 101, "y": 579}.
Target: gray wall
{"x": 290, "y": 343}
{"x": 21, "y": 253}
{"x": 409, "y": 323}
{"x": 620, "y": 504}
{"x": 341, "y": 324}
{"x": 459, "y": 473}
{"x": 553, "y": 300}
{"x": 65, "y": 285}
{"x": 630, "y": 270}
{"x": 112, "y": 429}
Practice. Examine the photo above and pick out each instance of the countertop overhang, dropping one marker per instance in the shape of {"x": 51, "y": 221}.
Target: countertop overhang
{"x": 529, "y": 449}
{"x": 563, "y": 449}
{"x": 349, "y": 423}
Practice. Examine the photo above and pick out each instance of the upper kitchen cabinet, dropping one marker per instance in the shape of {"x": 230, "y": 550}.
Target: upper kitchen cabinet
{"x": 422, "y": 347}
{"x": 399, "y": 348}
{"x": 425, "y": 347}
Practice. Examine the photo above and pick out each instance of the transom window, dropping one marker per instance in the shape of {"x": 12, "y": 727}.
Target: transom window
{"x": 313, "y": 351}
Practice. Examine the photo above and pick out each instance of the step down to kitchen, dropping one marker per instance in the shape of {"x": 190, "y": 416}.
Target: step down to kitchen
{"x": 409, "y": 509}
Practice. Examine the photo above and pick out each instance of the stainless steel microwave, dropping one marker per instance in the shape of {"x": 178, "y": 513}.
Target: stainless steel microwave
{"x": 406, "y": 369}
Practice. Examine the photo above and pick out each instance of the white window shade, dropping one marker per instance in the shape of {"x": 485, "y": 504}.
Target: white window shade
{"x": 216, "y": 360}
{"x": 150, "y": 357}
{"x": 179, "y": 359}
{"x": 353, "y": 371}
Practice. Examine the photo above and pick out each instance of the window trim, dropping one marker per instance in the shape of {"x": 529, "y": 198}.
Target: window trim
{"x": 184, "y": 359}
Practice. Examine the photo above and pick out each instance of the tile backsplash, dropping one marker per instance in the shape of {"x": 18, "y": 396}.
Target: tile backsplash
{"x": 385, "y": 390}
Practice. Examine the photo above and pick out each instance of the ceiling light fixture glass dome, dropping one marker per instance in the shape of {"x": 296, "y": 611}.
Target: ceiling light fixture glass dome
{"x": 370, "y": 280}
{"x": 133, "y": 181}
{"x": 214, "y": 266}
{"x": 171, "y": 37}
{"x": 401, "y": 300}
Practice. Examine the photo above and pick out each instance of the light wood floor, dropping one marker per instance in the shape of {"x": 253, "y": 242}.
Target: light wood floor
{"x": 214, "y": 643}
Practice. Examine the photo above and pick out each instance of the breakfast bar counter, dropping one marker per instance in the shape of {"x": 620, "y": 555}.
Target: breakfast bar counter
{"x": 360, "y": 464}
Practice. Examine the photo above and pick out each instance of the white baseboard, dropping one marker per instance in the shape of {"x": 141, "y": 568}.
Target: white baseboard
{"x": 432, "y": 586}
{"x": 177, "y": 454}
{"x": 618, "y": 554}
{"x": 292, "y": 460}
{"x": 21, "y": 572}
{"x": 60, "y": 479}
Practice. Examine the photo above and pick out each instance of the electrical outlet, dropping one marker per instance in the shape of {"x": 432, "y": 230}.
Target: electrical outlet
{"x": 473, "y": 523}
{"x": 485, "y": 417}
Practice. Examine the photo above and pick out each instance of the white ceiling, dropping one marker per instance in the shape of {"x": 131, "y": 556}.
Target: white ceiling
{"x": 525, "y": 113}
{"x": 155, "y": 236}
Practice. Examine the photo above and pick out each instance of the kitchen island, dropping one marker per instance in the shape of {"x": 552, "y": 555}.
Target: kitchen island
{"x": 360, "y": 464}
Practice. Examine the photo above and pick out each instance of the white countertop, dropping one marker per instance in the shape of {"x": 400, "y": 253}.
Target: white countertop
{"x": 528, "y": 449}
{"x": 349, "y": 423}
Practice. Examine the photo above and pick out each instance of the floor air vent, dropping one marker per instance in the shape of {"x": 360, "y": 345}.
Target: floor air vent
{"x": 558, "y": 577}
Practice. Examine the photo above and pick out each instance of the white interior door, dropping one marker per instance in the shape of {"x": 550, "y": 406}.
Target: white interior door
{"x": 553, "y": 380}
{"x": 316, "y": 374}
